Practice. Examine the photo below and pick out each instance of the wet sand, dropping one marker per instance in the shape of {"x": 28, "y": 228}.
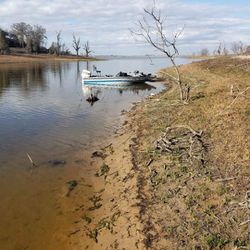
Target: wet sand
{"x": 116, "y": 223}
{"x": 51, "y": 221}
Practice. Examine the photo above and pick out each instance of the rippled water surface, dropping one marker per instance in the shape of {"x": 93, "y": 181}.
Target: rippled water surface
{"x": 44, "y": 113}
{"x": 43, "y": 110}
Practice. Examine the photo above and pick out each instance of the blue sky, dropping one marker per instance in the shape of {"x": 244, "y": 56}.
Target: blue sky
{"x": 106, "y": 23}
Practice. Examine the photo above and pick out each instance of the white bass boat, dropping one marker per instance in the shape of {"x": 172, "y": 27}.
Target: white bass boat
{"x": 120, "y": 79}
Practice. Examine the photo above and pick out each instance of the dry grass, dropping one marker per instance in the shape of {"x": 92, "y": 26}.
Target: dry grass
{"x": 189, "y": 204}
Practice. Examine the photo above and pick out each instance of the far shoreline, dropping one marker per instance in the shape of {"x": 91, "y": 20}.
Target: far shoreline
{"x": 25, "y": 58}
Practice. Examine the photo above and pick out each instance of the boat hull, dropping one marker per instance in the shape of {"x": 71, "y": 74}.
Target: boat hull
{"x": 124, "y": 81}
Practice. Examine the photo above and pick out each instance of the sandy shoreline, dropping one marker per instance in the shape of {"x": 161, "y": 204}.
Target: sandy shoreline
{"x": 7, "y": 59}
{"x": 132, "y": 195}
{"x": 152, "y": 200}
{"x": 116, "y": 222}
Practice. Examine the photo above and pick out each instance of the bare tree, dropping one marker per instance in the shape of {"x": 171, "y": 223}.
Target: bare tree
{"x": 58, "y": 42}
{"x": 4, "y": 48}
{"x": 76, "y": 44}
{"x": 204, "y": 52}
{"x": 38, "y": 36}
{"x": 247, "y": 52}
{"x": 22, "y": 31}
{"x": 225, "y": 51}
{"x": 219, "y": 49}
{"x": 238, "y": 48}
{"x": 52, "y": 48}
{"x": 241, "y": 47}
{"x": 29, "y": 44}
{"x": 234, "y": 47}
{"x": 87, "y": 49}
{"x": 30, "y": 37}
{"x": 58, "y": 48}
{"x": 64, "y": 50}
{"x": 152, "y": 28}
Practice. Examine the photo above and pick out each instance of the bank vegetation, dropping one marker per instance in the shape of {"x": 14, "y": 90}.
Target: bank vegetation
{"x": 179, "y": 173}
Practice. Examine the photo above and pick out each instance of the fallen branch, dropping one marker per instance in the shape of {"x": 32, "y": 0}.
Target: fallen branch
{"x": 172, "y": 77}
{"x": 242, "y": 93}
{"x": 226, "y": 179}
{"x": 245, "y": 204}
{"x": 189, "y": 128}
{"x": 113, "y": 173}
{"x": 187, "y": 143}
{"x": 109, "y": 145}
{"x": 244, "y": 222}
{"x": 31, "y": 161}
{"x": 74, "y": 232}
{"x": 149, "y": 162}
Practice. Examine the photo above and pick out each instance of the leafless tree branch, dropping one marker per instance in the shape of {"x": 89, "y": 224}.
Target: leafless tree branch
{"x": 153, "y": 29}
{"x": 87, "y": 49}
{"x": 76, "y": 44}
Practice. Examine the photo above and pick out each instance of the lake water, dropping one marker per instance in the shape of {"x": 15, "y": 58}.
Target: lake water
{"x": 44, "y": 113}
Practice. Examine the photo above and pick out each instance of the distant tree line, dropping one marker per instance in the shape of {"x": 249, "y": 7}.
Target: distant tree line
{"x": 23, "y": 37}
{"x": 237, "y": 48}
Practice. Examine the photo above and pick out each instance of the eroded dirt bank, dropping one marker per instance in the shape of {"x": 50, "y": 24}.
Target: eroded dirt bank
{"x": 177, "y": 176}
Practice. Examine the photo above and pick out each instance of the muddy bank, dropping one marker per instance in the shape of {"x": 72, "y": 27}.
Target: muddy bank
{"x": 178, "y": 175}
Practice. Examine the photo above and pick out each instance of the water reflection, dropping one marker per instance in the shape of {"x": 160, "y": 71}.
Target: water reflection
{"x": 94, "y": 93}
{"x": 26, "y": 78}
{"x": 43, "y": 109}
{"x": 40, "y": 115}
{"x": 29, "y": 76}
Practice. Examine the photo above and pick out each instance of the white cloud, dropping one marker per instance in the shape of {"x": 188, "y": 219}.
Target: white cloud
{"x": 105, "y": 23}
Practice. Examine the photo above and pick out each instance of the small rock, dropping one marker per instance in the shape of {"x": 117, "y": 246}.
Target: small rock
{"x": 98, "y": 154}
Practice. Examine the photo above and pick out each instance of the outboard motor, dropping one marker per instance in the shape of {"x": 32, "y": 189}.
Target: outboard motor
{"x": 85, "y": 74}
